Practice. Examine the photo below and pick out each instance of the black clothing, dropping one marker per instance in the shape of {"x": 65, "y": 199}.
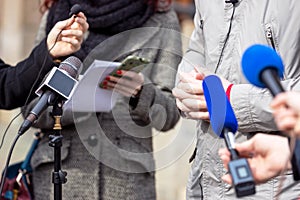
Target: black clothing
{"x": 105, "y": 17}
{"x": 16, "y": 82}
{"x": 296, "y": 161}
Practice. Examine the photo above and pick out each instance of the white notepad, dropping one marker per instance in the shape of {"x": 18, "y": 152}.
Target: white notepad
{"x": 88, "y": 96}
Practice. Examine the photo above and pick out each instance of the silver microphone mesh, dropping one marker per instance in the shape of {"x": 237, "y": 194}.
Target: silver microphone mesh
{"x": 72, "y": 65}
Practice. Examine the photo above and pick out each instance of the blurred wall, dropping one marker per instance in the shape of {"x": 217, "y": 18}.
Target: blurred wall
{"x": 18, "y": 24}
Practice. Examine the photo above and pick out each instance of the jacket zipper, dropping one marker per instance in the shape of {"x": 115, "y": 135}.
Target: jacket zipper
{"x": 270, "y": 37}
{"x": 271, "y": 41}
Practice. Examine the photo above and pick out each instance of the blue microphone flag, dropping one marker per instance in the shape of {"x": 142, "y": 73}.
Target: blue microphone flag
{"x": 219, "y": 108}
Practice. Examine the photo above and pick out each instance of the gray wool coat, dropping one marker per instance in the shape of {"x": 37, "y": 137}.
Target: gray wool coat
{"x": 110, "y": 155}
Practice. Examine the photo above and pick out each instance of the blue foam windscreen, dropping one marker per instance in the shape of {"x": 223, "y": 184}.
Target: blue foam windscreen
{"x": 219, "y": 108}
{"x": 258, "y": 58}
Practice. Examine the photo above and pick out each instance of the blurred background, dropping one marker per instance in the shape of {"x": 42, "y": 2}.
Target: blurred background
{"x": 19, "y": 22}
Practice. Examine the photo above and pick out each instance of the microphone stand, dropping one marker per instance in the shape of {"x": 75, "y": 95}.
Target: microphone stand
{"x": 58, "y": 176}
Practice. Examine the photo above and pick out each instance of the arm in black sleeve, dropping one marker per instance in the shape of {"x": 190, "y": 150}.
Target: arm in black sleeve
{"x": 16, "y": 81}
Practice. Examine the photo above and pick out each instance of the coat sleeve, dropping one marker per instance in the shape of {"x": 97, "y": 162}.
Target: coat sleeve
{"x": 194, "y": 55}
{"x": 17, "y": 81}
{"x": 156, "y": 103}
{"x": 251, "y": 106}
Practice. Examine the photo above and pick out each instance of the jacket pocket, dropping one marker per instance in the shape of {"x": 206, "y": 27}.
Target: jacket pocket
{"x": 270, "y": 36}
{"x": 272, "y": 39}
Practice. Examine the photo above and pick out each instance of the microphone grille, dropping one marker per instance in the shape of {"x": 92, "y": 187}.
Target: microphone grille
{"x": 75, "y": 10}
{"x": 256, "y": 59}
{"x": 72, "y": 65}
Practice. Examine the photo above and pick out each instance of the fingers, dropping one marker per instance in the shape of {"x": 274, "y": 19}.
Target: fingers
{"x": 75, "y": 37}
{"x": 129, "y": 84}
{"x": 181, "y": 106}
{"x": 196, "y": 105}
{"x": 189, "y": 114}
{"x": 191, "y": 103}
{"x": 81, "y": 15}
{"x": 127, "y": 91}
{"x": 246, "y": 148}
{"x": 279, "y": 101}
{"x": 224, "y": 156}
{"x": 82, "y": 21}
{"x": 191, "y": 77}
{"x": 227, "y": 179}
{"x": 197, "y": 115}
{"x": 181, "y": 94}
{"x": 192, "y": 88}
{"x": 63, "y": 24}
{"x": 127, "y": 79}
{"x": 286, "y": 120}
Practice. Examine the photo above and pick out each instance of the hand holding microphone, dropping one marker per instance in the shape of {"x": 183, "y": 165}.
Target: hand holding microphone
{"x": 286, "y": 107}
{"x": 58, "y": 85}
{"x": 266, "y": 155}
{"x": 67, "y": 36}
{"x": 224, "y": 125}
{"x": 264, "y": 68}
{"x": 189, "y": 95}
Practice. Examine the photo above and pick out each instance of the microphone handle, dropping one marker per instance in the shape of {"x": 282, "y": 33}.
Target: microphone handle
{"x": 271, "y": 79}
{"x": 229, "y": 141}
{"x": 47, "y": 98}
{"x": 43, "y": 103}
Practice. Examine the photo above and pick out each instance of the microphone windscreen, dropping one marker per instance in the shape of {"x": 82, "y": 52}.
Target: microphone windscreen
{"x": 256, "y": 59}
{"x": 72, "y": 65}
{"x": 219, "y": 108}
{"x": 75, "y": 10}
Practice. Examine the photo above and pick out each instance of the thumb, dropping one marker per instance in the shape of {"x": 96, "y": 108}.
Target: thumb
{"x": 245, "y": 148}
{"x": 63, "y": 24}
{"x": 227, "y": 179}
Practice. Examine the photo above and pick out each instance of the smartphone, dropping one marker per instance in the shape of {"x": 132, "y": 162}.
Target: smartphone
{"x": 130, "y": 63}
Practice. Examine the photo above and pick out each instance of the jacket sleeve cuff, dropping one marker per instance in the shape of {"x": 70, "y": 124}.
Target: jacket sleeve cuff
{"x": 42, "y": 51}
{"x": 145, "y": 101}
{"x": 251, "y": 107}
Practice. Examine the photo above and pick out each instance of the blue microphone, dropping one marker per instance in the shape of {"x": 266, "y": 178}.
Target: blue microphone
{"x": 220, "y": 111}
{"x": 224, "y": 124}
{"x": 263, "y": 67}
{"x": 222, "y": 117}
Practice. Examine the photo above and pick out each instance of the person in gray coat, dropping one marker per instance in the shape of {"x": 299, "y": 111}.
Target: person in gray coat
{"x": 109, "y": 155}
{"x": 223, "y": 31}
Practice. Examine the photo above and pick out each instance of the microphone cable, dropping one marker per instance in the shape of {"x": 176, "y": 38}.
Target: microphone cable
{"x": 31, "y": 90}
{"x": 75, "y": 9}
{"x": 26, "y": 102}
{"x": 226, "y": 38}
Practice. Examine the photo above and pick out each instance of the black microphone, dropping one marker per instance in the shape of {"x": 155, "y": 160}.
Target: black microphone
{"x": 59, "y": 84}
{"x": 263, "y": 67}
{"x": 75, "y": 10}
{"x": 231, "y": 1}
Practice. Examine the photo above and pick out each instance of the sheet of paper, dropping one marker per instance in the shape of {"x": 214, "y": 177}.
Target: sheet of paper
{"x": 88, "y": 96}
